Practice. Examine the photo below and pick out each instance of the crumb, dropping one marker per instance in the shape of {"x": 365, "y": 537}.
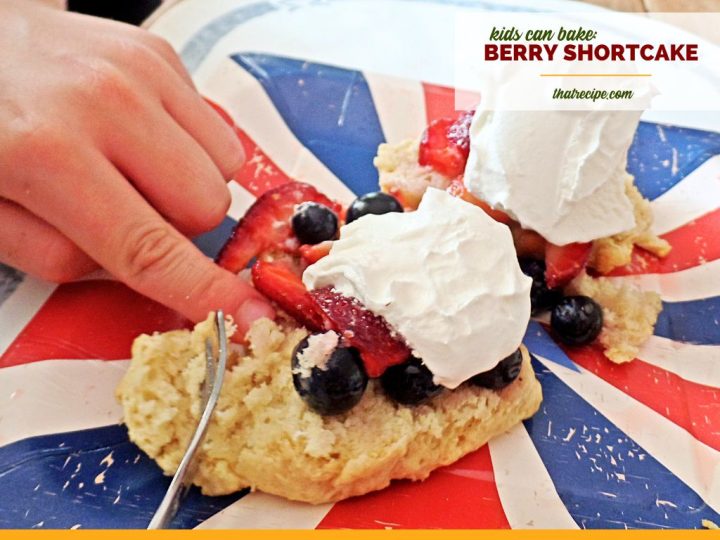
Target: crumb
{"x": 615, "y": 251}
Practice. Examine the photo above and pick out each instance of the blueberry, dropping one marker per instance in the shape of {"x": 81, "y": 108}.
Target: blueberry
{"x": 313, "y": 223}
{"x": 409, "y": 383}
{"x": 337, "y": 387}
{"x": 577, "y": 320}
{"x": 541, "y": 296}
{"x": 372, "y": 203}
{"x": 501, "y": 375}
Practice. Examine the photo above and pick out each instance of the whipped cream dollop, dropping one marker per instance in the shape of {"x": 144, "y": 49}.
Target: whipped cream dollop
{"x": 559, "y": 173}
{"x": 445, "y": 277}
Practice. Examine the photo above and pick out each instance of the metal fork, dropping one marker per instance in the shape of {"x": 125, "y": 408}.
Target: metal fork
{"x": 181, "y": 482}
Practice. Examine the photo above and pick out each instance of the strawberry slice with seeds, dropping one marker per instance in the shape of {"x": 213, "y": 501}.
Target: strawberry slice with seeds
{"x": 266, "y": 225}
{"x": 562, "y": 263}
{"x": 445, "y": 144}
{"x": 359, "y": 328}
{"x": 286, "y": 289}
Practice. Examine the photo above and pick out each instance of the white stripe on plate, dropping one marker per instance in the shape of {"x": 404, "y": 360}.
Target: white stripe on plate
{"x": 694, "y": 462}
{"x": 695, "y": 363}
{"x": 54, "y": 396}
{"x": 400, "y": 105}
{"x": 694, "y": 196}
{"x": 242, "y": 199}
{"x": 21, "y": 307}
{"x": 694, "y": 283}
{"x": 244, "y": 98}
{"x": 261, "y": 511}
{"x": 526, "y": 490}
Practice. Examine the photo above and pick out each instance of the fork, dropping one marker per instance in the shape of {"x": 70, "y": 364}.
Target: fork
{"x": 210, "y": 391}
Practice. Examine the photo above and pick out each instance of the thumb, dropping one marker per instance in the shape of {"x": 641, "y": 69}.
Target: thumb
{"x": 167, "y": 267}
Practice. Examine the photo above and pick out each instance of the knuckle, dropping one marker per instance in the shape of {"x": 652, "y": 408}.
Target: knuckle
{"x": 160, "y": 45}
{"x": 105, "y": 83}
{"x": 150, "y": 249}
{"x": 34, "y": 150}
{"x": 132, "y": 49}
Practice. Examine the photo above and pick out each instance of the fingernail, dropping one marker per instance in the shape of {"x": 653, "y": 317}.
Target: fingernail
{"x": 250, "y": 311}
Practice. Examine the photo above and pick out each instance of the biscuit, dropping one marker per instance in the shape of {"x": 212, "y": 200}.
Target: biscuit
{"x": 263, "y": 435}
{"x": 629, "y": 314}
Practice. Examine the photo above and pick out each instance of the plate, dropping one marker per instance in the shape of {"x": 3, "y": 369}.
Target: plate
{"x": 633, "y": 446}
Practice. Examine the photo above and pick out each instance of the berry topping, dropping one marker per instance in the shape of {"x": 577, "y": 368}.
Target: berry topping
{"x": 266, "y": 227}
{"x": 577, "y": 320}
{"x": 457, "y": 189}
{"x": 359, "y": 328}
{"x": 372, "y": 203}
{"x": 527, "y": 243}
{"x": 313, "y": 223}
{"x": 330, "y": 382}
{"x": 541, "y": 296}
{"x": 445, "y": 144}
{"x": 312, "y": 254}
{"x": 501, "y": 375}
{"x": 410, "y": 383}
{"x": 565, "y": 262}
{"x": 286, "y": 289}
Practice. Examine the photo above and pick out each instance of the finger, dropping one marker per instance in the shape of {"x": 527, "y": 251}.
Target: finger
{"x": 127, "y": 37}
{"x": 156, "y": 64}
{"x": 162, "y": 48}
{"x": 132, "y": 241}
{"x": 32, "y": 245}
{"x": 206, "y": 126}
{"x": 171, "y": 170}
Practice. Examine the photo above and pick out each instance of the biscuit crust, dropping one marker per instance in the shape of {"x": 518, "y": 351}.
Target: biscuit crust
{"x": 263, "y": 436}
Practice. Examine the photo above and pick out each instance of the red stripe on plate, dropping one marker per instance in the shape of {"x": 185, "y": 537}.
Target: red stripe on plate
{"x": 693, "y": 244}
{"x": 259, "y": 173}
{"x": 692, "y": 406}
{"x": 460, "y": 496}
{"x": 439, "y": 101}
{"x": 89, "y": 319}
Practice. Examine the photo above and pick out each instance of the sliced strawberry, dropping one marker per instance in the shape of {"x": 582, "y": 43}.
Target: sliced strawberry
{"x": 313, "y": 253}
{"x": 367, "y": 332}
{"x": 266, "y": 225}
{"x": 457, "y": 189}
{"x": 528, "y": 243}
{"x": 286, "y": 289}
{"x": 565, "y": 262}
{"x": 445, "y": 144}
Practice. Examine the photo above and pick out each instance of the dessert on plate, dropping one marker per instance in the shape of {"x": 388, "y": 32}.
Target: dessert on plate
{"x": 397, "y": 349}
{"x": 398, "y": 343}
{"x": 558, "y": 179}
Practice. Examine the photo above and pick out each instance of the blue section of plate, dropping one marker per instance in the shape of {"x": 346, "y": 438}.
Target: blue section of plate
{"x": 694, "y": 321}
{"x": 212, "y": 242}
{"x": 329, "y": 109}
{"x": 94, "y": 478}
{"x": 539, "y": 342}
{"x": 604, "y": 478}
{"x": 661, "y": 155}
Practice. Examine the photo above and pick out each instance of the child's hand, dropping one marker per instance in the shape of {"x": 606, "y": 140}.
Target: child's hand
{"x": 108, "y": 156}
